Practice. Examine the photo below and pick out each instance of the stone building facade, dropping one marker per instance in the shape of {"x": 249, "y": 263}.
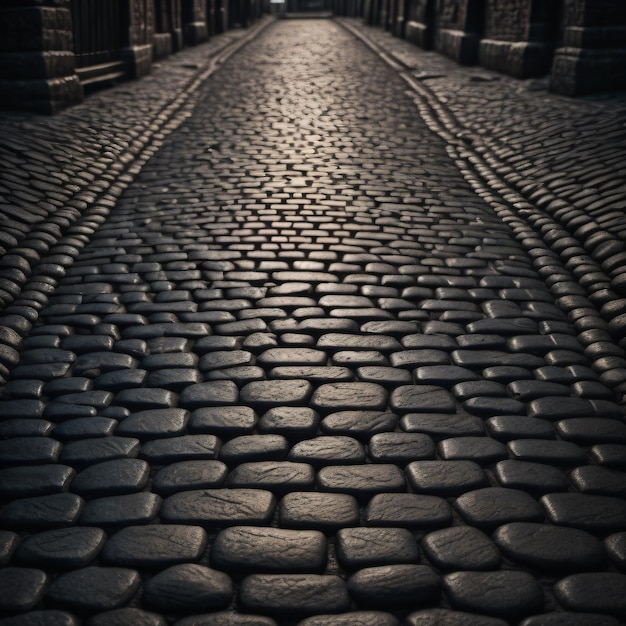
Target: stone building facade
{"x": 52, "y": 51}
{"x": 581, "y": 44}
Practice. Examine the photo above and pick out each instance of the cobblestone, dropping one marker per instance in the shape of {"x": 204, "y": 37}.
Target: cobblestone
{"x": 295, "y": 337}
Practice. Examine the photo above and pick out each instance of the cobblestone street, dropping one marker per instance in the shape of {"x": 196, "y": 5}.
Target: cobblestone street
{"x": 311, "y": 327}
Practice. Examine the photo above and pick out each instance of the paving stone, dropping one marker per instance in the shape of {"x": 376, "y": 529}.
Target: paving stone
{"x": 57, "y": 510}
{"x": 547, "y": 548}
{"x": 599, "y": 592}
{"x": 504, "y": 593}
{"x": 616, "y": 548}
{"x": 276, "y": 476}
{"x": 601, "y": 481}
{"x": 461, "y": 548}
{"x": 250, "y": 448}
{"x": 223, "y": 421}
{"x": 558, "y": 408}
{"x": 214, "y": 393}
{"x": 90, "y": 451}
{"x": 116, "y": 511}
{"x": 508, "y": 427}
{"x": 24, "y": 450}
{"x": 506, "y": 374}
{"x": 293, "y": 423}
{"x": 439, "y": 426}
{"x": 139, "y": 399}
{"x": 319, "y": 511}
{"x": 34, "y": 480}
{"x": 23, "y": 427}
{"x": 445, "y": 478}
{"x": 116, "y": 477}
{"x": 488, "y": 407}
{"x": 293, "y": 594}
{"x": 422, "y": 399}
{"x": 121, "y": 380}
{"x": 535, "y": 478}
{"x": 595, "y": 514}
{"x": 183, "y": 448}
{"x": 400, "y": 448}
{"x": 343, "y": 341}
{"x": 609, "y": 454}
{"x": 188, "y": 588}
{"x": 126, "y": 617}
{"x": 566, "y": 618}
{"x": 447, "y": 617}
{"x": 65, "y": 548}
{"x": 219, "y": 507}
{"x": 349, "y": 396}
{"x": 592, "y": 430}
{"x": 268, "y": 393}
{"x": 188, "y": 475}
{"x": 154, "y": 546}
{"x": 354, "y": 618}
{"x": 491, "y": 507}
{"x": 94, "y": 589}
{"x": 9, "y": 542}
{"x": 407, "y": 510}
{"x": 84, "y": 428}
{"x": 394, "y": 585}
{"x": 359, "y": 424}
{"x": 324, "y": 450}
{"x": 22, "y": 588}
{"x": 368, "y": 547}
{"x": 483, "y": 450}
{"x": 246, "y": 549}
{"x": 562, "y": 453}
{"x": 478, "y": 388}
{"x": 226, "y": 618}
{"x": 361, "y": 480}
{"x": 154, "y": 424}
{"x": 49, "y": 617}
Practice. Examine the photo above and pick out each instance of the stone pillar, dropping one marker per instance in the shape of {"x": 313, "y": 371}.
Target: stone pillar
{"x": 195, "y": 26}
{"x": 36, "y": 56}
{"x": 458, "y": 29}
{"x": 592, "y": 52}
{"x": 138, "y": 54}
{"x": 518, "y": 36}
{"x": 168, "y": 35}
{"x": 420, "y": 25}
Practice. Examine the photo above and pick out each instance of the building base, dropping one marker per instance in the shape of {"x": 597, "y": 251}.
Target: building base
{"x": 458, "y": 45}
{"x": 45, "y": 96}
{"x": 579, "y": 71}
{"x": 522, "y": 59}
{"x": 419, "y": 34}
{"x": 138, "y": 60}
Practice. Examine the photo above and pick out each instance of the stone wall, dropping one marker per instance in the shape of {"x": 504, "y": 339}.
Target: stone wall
{"x": 36, "y": 56}
{"x": 458, "y": 29}
{"x": 518, "y": 36}
{"x": 592, "y": 54}
{"x": 581, "y": 44}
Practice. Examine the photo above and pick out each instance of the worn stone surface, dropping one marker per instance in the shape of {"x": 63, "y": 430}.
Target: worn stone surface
{"x": 289, "y": 298}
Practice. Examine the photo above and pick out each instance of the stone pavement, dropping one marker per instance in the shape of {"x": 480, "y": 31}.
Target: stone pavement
{"x": 327, "y": 332}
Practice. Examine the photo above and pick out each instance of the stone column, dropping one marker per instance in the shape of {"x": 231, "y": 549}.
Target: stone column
{"x": 458, "y": 29}
{"x": 518, "y": 36}
{"x": 420, "y": 25}
{"x": 195, "y": 26}
{"x": 592, "y": 53}
{"x": 138, "y": 54}
{"x": 36, "y": 56}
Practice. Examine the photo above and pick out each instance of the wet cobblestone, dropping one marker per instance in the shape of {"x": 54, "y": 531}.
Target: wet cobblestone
{"x": 315, "y": 337}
